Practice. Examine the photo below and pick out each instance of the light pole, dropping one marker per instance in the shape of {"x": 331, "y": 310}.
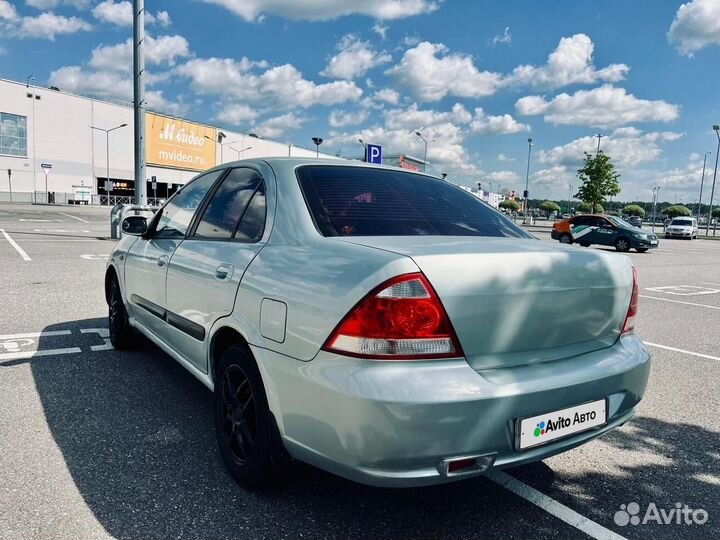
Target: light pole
{"x": 107, "y": 148}
{"x": 139, "y": 101}
{"x": 318, "y": 141}
{"x": 570, "y": 199}
{"x": 220, "y": 137}
{"x": 32, "y": 96}
{"x": 716, "y": 128}
{"x": 364, "y": 149}
{"x": 702, "y": 180}
{"x": 599, "y": 136}
{"x": 527, "y": 180}
{"x": 425, "y": 154}
{"x": 239, "y": 152}
{"x": 656, "y": 195}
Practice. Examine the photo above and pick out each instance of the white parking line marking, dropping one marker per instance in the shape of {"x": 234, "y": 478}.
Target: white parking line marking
{"x": 36, "y": 334}
{"x": 90, "y": 257}
{"x": 74, "y": 217}
{"x": 61, "y": 230}
{"x": 104, "y": 333}
{"x": 691, "y": 353}
{"x": 33, "y": 354}
{"x": 552, "y": 507}
{"x": 678, "y": 302}
{"x": 14, "y": 244}
{"x": 683, "y": 290}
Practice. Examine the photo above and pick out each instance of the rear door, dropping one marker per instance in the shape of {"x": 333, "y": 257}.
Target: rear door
{"x": 205, "y": 270}
{"x": 605, "y": 232}
{"x": 148, "y": 258}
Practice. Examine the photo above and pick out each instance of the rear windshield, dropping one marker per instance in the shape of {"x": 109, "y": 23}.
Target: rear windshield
{"x": 361, "y": 201}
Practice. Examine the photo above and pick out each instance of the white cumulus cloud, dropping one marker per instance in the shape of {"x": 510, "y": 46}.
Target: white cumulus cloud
{"x": 354, "y": 58}
{"x": 605, "y": 106}
{"x": 570, "y": 63}
{"x": 696, "y": 25}
{"x": 340, "y": 118}
{"x": 121, "y": 14}
{"x": 431, "y": 72}
{"x": 279, "y": 125}
{"x": 495, "y": 125}
{"x": 324, "y": 10}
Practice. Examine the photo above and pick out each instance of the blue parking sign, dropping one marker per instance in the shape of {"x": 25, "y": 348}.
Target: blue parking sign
{"x": 374, "y": 153}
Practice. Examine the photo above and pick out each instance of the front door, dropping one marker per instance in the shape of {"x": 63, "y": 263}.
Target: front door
{"x": 206, "y": 269}
{"x": 149, "y": 257}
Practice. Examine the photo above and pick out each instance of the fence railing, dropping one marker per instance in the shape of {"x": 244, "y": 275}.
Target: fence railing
{"x": 57, "y": 197}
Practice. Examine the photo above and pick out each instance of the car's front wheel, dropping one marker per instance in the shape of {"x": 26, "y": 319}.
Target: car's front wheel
{"x": 565, "y": 238}
{"x": 122, "y": 335}
{"x": 622, "y": 244}
{"x": 242, "y": 418}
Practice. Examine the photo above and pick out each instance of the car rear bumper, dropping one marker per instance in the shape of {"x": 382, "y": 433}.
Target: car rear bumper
{"x": 393, "y": 423}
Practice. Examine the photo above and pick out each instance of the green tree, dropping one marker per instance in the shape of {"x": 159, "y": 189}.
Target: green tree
{"x": 549, "y": 206}
{"x": 634, "y": 210}
{"x": 716, "y": 213}
{"x": 677, "y": 210}
{"x": 509, "y": 204}
{"x": 599, "y": 180}
{"x": 586, "y": 208}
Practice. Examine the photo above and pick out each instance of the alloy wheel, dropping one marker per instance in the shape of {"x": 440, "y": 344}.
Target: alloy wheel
{"x": 239, "y": 419}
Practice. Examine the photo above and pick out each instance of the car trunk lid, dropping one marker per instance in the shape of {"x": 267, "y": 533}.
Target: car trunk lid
{"x": 515, "y": 301}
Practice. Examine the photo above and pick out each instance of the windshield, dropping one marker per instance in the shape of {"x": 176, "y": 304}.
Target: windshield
{"x": 362, "y": 201}
{"x": 682, "y": 222}
{"x": 620, "y": 222}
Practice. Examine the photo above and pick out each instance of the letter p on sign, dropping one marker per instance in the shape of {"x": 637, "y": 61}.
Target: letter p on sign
{"x": 374, "y": 153}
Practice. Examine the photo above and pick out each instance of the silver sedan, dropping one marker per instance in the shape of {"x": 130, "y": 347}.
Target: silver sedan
{"x": 384, "y": 325}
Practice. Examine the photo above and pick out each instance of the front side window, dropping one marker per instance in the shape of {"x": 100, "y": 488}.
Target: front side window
{"x": 13, "y": 135}
{"x": 178, "y": 212}
{"x": 228, "y": 204}
{"x": 363, "y": 201}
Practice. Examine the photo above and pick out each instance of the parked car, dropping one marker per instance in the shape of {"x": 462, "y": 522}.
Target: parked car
{"x": 682, "y": 227}
{"x": 635, "y": 221}
{"x": 604, "y": 231}
{"x": 344, "y": 318}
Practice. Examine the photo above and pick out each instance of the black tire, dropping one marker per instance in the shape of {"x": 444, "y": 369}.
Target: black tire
{"x": 565, "y": 238}
{"x": 641, "y": 250}
{"x": 622, "y": 244}
{"x": 585, "y": 245}
{"x": 122, "y": 336}
{"x": 243, "y": 424}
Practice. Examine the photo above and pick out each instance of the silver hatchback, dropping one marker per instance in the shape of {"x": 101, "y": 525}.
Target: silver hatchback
{"x": 384, "y": 325}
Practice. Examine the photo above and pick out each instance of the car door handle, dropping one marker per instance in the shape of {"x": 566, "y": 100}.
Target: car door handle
{"x": 162, "y": 260}
{"x": 224, "y": 271}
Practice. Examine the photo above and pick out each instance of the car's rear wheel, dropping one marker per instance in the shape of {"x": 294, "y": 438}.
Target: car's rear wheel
{"x": 565, "y": 238}
{"x": 641, "y": 250}
{"x": 622, "y": 244}
{"x": 122, "y": 335}
{"x": 243, "y": 422}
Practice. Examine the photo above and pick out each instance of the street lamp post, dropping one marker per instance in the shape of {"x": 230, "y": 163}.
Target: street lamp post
{"x": 426, "y": 145}
{"x": 318, "y": 141}
{"x": 107, "y": 148}
{"x": 239, "y": 152}
{"x": 716, "y": 128}
{"x": 599, "y": 136}
{"x": 364, "y": 149}
{"x": 570, "y": 198}
{"x": 526, "y": 195}
{"x": 702, "y": 180}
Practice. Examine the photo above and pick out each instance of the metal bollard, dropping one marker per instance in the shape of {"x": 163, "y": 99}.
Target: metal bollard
{"x": 115, "y": 219}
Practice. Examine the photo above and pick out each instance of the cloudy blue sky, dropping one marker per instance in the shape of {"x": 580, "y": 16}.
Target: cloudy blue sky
{"x": 476, "y": 77}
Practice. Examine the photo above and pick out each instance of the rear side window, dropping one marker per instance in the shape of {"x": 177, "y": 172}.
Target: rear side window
{"x": 228, "y": 204}
{"x": 361, "y": 201}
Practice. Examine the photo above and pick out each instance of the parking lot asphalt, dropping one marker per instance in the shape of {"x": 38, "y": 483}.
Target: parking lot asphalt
{"x": 96, "y": 443}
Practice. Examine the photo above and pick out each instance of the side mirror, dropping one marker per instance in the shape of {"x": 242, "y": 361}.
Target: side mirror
{"x": 134, "y": 225}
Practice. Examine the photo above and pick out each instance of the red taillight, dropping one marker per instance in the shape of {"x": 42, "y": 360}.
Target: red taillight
{"x": 629, "y": 324}
{"x": 402, "y": 319}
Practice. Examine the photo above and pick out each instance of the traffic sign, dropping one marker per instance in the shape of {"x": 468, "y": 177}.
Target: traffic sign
{"x": 46, "y": 165}
{"x": 374, "y": 153}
